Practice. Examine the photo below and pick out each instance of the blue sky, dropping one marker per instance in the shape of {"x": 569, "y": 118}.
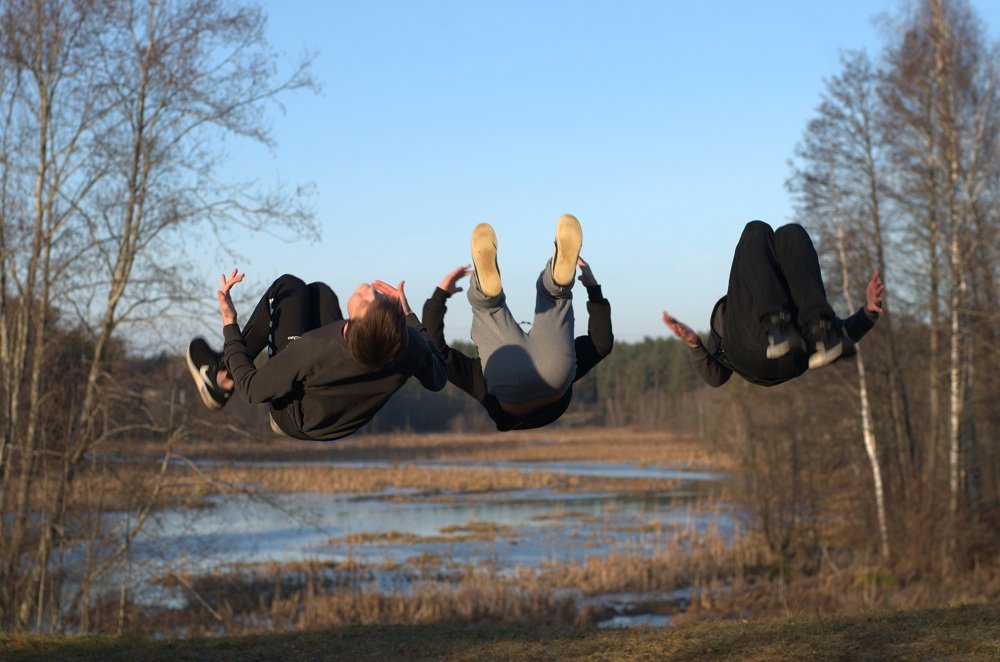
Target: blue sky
{"x": 663, "y": 126}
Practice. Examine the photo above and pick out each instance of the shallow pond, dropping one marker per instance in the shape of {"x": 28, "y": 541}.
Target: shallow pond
{"x": 508, "y": 529}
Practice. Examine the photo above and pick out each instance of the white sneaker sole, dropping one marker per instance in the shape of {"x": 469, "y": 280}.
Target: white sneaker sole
{"x": 199, "y": 382}
{"x": 779, "y": 350}
{"x": 274, "y": 426}
{"x": 484, "y": 257}
{"x": 569, "y": 240}
{"x": 822, "y": 356}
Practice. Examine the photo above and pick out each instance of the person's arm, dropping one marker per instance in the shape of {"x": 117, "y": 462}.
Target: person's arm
{"x": 861, "y": 322}
{"x": 432, "y": 373}
{"x": 276, "y": 379}
{"x": 273, "y": 380}
{"x": 705, "y": 362}
{"x": 600, "y": 338}
{"x": 464, "y": 371}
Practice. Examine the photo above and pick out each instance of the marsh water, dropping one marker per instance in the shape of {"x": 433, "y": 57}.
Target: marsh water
{"x": 527, "y": 527}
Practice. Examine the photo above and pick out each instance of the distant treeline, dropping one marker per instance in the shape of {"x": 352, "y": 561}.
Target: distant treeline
{"x": 637, "y": 384}
{"x": 648, "y": 383}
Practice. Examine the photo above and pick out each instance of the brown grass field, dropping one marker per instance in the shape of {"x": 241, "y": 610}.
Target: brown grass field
{"x": 967, "y": 632}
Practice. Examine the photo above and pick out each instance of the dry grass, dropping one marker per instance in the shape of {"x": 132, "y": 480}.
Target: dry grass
{"x": 545, "y": 445}
{"x": 187, "y": 484}
{"x": 968, "y": 632}
{"x": 425, "y": 480}
{"x": 722, "y": 579}
{"x": 471, "y": 531}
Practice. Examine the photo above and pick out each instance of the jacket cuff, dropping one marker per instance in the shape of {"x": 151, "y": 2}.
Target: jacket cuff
{"x": 232, "y": 332}
{"x": 594, "y": 294}
{"x": 440, "y": 295}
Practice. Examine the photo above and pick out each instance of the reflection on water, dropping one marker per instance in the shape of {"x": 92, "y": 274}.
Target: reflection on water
{"x": 544, "y": 526}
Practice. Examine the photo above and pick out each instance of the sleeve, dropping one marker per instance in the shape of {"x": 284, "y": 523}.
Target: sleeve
{"x": 432, "y": 373}
{"x": 273, "y": 380}
{"x": 859, "y": 324}
{"x": 600, "y": 339}
{"x": 706, "y": 363}
{"x": 464, "y": 371}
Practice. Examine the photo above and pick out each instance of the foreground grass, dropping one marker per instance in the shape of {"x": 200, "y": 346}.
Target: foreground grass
{"x": 970, "y": 632}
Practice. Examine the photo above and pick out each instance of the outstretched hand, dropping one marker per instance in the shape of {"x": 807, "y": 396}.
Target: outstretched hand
{"x": 395, "y": 293}
{"x": 874, "y": 293}
{"x": 681, "y": 330}
{"x": 225, "y": 298}
{"x": 450, "y": 282}
{"x": 586, "y": 275}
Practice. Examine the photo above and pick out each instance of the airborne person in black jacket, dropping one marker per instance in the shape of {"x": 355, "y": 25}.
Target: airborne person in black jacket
{"x": 775, "y": 322}
{"x": 524, "y": 380}
{"x": 325, "y": 376}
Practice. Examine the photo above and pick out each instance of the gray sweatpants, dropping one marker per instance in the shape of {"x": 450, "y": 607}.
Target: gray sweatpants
{"x": 522, "y": 367}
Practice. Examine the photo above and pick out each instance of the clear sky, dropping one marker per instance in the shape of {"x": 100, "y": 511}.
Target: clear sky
{"x": 663, "y": 126}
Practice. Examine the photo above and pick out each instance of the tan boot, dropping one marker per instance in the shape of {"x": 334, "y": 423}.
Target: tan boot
{"x": 484, "y": 257}
{"x": 569, "y": 240}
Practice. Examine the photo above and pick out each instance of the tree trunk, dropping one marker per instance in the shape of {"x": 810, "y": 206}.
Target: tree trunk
{"x": 867, "y": 430}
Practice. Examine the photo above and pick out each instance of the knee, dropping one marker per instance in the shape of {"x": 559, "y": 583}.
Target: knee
{"x": 792, "y": 234}
{"x": 319, "y": 288}
{"x": 285, "y": 285}
{"x": 755, "y": 229}
{"x": 288, "y": 281}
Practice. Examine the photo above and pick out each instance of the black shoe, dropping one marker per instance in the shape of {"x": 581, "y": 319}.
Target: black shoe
{"x": 203, "y": 363}
{"x": 779, "y": 336}
{"x": 826, "y": 343}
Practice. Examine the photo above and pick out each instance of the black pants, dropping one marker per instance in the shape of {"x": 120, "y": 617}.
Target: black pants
{"x": 288, "y": 309}
{"x": 774, "y": 271}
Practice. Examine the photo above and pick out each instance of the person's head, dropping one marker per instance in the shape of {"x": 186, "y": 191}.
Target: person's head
{"x": 376, "y": 333}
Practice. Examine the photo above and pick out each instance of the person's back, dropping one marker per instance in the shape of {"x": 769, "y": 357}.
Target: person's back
{"x": 325, "y": 376}
{"x": 775, "y": 322}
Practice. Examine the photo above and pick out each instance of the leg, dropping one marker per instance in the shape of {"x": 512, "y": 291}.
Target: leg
{"x": 282, "y": 313}
{"x": 800, "y": 265}
{"x": 551, "y": 341}
{"x": 758, "y": 304}
{"x": 501, "y": 344}
{"x": 324, "y": 307}
{"x": 816, "y": 318}
{"x": 756, "y": 273}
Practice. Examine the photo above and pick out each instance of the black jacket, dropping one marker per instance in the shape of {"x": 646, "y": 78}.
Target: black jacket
{"x": 467, "y": 373}
{"x": 715, "y": 366}
{"x": 315, "y": 387}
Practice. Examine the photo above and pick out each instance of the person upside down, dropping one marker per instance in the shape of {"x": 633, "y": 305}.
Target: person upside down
{"x": 325, "y": 375}
{"x": 775, "y": 322}
{"x": 523, "y": 379}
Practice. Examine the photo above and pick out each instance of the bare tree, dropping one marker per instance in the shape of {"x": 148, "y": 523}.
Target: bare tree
{"x": 839, "y": 183}
{"x": 114, "y": 112}
{"x": 955, "y": 84}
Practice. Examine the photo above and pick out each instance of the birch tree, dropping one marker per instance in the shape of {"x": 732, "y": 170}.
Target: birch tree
{"x": 838, "y": 183}
{"x": 114, "y": 112}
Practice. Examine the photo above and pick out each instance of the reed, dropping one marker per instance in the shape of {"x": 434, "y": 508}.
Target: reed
{"x": 597, "y": 444}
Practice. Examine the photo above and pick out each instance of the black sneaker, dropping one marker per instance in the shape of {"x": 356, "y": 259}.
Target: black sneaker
{"x": 203, "y": 364}
{"x": 779, "y": 336}
{"x": 826, "y": 343}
